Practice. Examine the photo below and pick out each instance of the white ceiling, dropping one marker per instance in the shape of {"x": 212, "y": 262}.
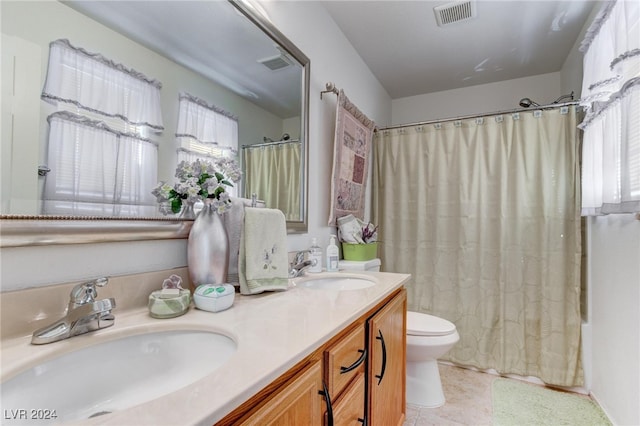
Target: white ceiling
{"x": 410, "y": 55}
{"x": 399, "y": 41}
{"x": 209, "y": 37}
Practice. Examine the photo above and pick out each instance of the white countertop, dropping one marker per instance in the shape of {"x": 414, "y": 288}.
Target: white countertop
{"x": 273, "y": 332}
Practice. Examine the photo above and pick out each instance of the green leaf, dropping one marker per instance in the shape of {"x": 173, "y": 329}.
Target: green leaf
{"x": 176, "y": 205}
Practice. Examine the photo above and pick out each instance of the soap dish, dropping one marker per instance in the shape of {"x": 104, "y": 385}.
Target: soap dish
{"x": 169, "y": 304}
{"x": 214, "y": 297}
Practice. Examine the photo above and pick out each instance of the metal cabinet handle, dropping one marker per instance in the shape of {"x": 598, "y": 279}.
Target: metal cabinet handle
{"x": 327, "y": 399}
{"x": 355, "y": 364}
{"x": 384, "y": 357}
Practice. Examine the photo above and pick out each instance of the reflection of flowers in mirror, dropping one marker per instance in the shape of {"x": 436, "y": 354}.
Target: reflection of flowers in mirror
{"x": 199, "y": 180}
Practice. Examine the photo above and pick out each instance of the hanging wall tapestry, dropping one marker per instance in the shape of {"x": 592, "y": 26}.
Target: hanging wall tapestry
{"x": 352, "y": 148}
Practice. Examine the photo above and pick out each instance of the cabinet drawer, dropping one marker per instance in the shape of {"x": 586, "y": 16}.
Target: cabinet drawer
{"x": 349, "y": 408}
{"x": 339, "y": 357}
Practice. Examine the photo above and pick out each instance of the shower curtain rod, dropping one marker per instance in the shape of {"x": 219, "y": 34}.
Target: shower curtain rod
{"x": 487, "y": 114}
{"x": 258, "y": 145}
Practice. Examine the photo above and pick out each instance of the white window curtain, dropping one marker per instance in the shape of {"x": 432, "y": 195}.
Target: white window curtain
{"x": 94, "y": 83}
{"x": 98, "y": 171}
{"x": 206, "y": 123}
{"x": 611, "y": 97}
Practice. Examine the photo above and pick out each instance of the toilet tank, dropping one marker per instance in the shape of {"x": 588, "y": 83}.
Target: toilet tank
{"x": 372, "y": 265}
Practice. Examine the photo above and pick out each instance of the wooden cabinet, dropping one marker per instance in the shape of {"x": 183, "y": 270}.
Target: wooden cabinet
{"x": 362, "y": 369}
{"x": 386, "y": 331}
{"x": 295, "y": 403}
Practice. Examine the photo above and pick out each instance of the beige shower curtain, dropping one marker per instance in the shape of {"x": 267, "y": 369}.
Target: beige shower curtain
{"x": 272, "y": 172}
{"x": 485, "y": 214}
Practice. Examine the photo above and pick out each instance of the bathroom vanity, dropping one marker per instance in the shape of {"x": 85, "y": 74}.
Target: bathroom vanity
{"x": 359, "y": 374}
{"x": 299, "y": 356}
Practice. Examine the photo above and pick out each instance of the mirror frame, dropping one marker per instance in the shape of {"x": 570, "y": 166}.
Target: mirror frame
{"x": 32, "y": 230}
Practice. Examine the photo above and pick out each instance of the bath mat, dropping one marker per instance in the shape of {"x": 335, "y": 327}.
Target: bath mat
{"x": 521, "y": 404}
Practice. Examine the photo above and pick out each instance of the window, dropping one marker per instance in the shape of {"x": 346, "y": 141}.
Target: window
{"x": 205, "y": 132}
{"x": 98, "y": 171}
{"x": 611, "y": 97}
{"x": 101, "y": 159}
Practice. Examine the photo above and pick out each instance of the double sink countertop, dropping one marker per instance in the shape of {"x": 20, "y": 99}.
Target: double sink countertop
{"x": 273, "y": 332}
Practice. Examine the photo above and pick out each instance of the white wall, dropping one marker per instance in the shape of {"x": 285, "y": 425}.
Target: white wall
{"x": 333, "y": 59}
{"x": 483, "y": 98}
{"x": 311, "y": 29}
{"x": 614, "y": 279}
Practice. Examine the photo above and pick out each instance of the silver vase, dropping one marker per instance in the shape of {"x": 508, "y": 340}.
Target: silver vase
{"x": 208, "y": 248}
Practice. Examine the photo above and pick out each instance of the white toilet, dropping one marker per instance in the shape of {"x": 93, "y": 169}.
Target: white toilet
{"x": 428, "y": 338}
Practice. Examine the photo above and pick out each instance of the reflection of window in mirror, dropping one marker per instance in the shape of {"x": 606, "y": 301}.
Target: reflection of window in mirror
{"x": 101, "y": 161}
{"x": 205, "y": 132}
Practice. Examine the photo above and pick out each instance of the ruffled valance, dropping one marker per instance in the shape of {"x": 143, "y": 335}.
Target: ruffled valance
{"x": 611, "y": 55}
{"x": 94, "y": 83}
{"x": 611, "y": 97}
{"x": 206, "y": 123}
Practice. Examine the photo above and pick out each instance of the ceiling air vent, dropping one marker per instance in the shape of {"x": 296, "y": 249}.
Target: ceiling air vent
{"x": 455, "y": 12}
{"x": 274, "y": 63}
{"x": 278, "y": 62}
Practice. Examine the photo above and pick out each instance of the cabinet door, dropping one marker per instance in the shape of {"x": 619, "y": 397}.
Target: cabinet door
{"x": 296, "y": 403}
{"x": 387, "y": 367}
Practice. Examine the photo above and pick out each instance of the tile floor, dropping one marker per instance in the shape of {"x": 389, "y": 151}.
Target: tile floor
{"x": 468, "y": 395}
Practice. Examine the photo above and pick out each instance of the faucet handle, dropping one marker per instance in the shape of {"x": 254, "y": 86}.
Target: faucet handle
{"x": 299, "y": 257}
{"x": 86, "y": 292}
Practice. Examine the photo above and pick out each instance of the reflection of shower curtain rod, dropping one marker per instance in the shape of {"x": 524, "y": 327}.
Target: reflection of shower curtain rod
{"x": 282, "y": 142}
{"x": 487, "y": 114}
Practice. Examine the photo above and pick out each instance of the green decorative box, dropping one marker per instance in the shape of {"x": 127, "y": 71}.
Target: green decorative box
{"x": 359, "y": 251}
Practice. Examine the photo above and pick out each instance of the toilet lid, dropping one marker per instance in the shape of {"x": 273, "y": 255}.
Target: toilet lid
{"x": 419, "y": 324}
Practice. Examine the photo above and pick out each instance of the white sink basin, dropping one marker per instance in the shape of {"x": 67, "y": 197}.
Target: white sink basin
{"x": 337, "y": 282}
{"x": 114, "y": 375}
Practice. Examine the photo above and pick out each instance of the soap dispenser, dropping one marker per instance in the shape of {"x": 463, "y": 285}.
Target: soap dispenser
{"x": 315, "y": 255}
{"x": 333, "y": 255}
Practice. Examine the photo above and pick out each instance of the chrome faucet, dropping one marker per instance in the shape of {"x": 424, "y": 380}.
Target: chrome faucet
{"x": 299, "y": 265}
{"x": 84, "y": 314}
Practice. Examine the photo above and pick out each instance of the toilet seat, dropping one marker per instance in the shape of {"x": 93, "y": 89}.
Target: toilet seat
{"x": 419, "y": 324}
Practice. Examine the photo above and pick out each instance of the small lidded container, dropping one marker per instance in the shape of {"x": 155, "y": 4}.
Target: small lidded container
{"x": 214, "y": 297}
{"x": 172, "y": 301}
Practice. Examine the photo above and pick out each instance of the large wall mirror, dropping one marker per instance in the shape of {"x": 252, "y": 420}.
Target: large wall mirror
{"x": 223, "y": 52}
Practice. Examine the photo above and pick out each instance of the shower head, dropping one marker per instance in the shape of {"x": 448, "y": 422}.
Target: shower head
{"x": 569, "y": 96}
{"x": 526, "y": 103}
